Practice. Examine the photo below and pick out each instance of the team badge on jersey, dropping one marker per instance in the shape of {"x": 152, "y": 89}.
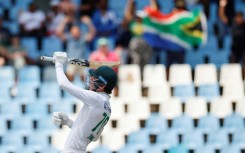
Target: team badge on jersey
{"x": 107, "y": 106}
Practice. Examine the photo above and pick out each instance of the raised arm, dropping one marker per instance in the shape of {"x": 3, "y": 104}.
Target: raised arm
{"x": 222, "y": 15}
{"x": 91, "y": 29}
{"x": 129, "y": 11}
{"x": 154, "y": 5}
{"x": 86, "y": 96}
{"x": 61, "y": 28}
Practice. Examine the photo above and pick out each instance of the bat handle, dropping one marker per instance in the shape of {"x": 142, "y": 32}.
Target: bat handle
{"x": 46, "y": 58}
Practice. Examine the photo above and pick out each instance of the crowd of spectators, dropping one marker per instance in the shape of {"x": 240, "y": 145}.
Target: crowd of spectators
{"x": 66, "y": 20}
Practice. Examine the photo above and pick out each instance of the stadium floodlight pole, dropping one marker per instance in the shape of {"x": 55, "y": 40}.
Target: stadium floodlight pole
{"x": 85, "y": 63}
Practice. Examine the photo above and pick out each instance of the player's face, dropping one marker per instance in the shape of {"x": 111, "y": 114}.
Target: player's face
{"x": 94, "y": 85}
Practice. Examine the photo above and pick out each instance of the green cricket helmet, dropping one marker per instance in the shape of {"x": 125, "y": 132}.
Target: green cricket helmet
{"x": 106, "y": 76}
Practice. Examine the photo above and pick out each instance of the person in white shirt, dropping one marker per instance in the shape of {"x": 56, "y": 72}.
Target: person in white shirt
{"x": 31, "y": 21}
{"x": 96, "y": 111}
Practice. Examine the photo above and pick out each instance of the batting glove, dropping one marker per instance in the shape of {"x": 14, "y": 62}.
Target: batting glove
{"x": 60, "y": 118}
{"x": 60, "y": 57}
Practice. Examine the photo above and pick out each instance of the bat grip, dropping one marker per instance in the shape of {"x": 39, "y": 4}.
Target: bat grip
{"x": 46, "y": 58}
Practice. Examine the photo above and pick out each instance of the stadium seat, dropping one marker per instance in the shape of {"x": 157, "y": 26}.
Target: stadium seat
{"x": 153, "y": 148}
{"x": 167, "y": 139}
{"x": 154, "y": 75}
{"x": 45, "y": 124}
{"x": 178, "y": 149}
{"x": 230, "y": 73}
{"x": 233, "y": 91}
{"x": 49, "y": 74}
{"x": 220, "y": 57}
{"x": 63, "y": 106}
{"x": 128, "y": 124}
{"x": 234, "y": 122}
{"x": 7, "y": 76}
{"x": 50, "y": 45}
{"x": 29, "y": 76}
{"x": 208, "y": 123}
{"x": 140, "y": 109}
{"x": 218, "y": 139}
{"x": 26, "y": 93}
{"x": 37, "y": 109}
{"x": 240, "y": 107}
{"x": 10, "y": 110}
{"x": 155, "y": 124}
{"x": 205, "y": 149}
{"x": 239, "y": 138}
{"x": 129, "y": 75}
{"x": 209, "y": 92}
{"x": 4, "y": 94}
{"x": 184, "y": 92}
{"x": 118, "y": 109}
{"x": 127, "y": 149}
{"x": 230, "y": 148}
{"x": 158, "y": 93}
{"x": 3, "y": 125}
{"x": 193, "y": 139}
{"x": 49, "y": 150}
{"x": 50, "y": 90}
{"x": 23, "y": 124}
{"x": 12, "y": 140}
{"x": 182, "y": 124}
{"x": 171, "y": 108}
{"x": 221, "y": 107}
{"x": 59, "y": 137}
{"x": 101, "y": 149}
{"x": 38, "y": 139}
{"x": 205, "y": 74}
{"x": 31, "y": 45}
{"x": 139, "y": 139}
{"x": 180, "y": 74}
{"x": 117, "y": 142}
{"x": 92, "y": 145}
{"x": 196, "y": 107}
{"x": 194, "y": 58}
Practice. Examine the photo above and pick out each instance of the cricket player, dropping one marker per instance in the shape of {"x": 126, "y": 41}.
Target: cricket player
{"x": 96, "y": 111}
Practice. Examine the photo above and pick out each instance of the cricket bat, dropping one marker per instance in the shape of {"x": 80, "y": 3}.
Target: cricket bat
{"x": 85, "y": 63}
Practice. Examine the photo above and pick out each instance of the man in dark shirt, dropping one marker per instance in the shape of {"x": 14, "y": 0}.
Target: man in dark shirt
{"x": 4, "y": 35}
{"x": 238, "y": 37}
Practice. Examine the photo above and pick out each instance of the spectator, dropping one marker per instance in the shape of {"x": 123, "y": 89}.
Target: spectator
{"x": 55, "y": 17}
{"x": 32, "y": 22}
{"x": 2, "y": 61}
{"x": 16, "y": 54}
{"x": 238, "y": 37}
{"x": 77, "y": 44}
{"x": 4, "y": 35}
{"x": 87, "y": 7}
{"x": 103, "y": 53}
{"x": 105, "y": 20}
{"x": 68, "y": 8}
{"x": 226, "y": 14}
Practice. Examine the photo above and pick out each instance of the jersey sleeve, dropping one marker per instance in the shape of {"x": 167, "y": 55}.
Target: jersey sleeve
{"x": 86, "y": 96}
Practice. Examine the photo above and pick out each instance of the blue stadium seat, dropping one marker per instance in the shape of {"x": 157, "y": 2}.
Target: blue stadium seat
{"x": 36, "y": 110}
{"x": 139, "y": 139}
{"x": 49, "y": 150}
{"x": 156, "y": 124}
{"x": 182, "y": 124}
{"x": 22, "y": 124}
{"x": 38, "y": 139}
{"x": 205, "y": 149}
{"x": 7, "y": 76}
{"x": 220, "y": 57}
{"x": 64, "y": 106}
{"x": 13, "y": 140}
{"x": 12, "y": 26}
{"x": 184, "y": 92}
{"x": 50, "y": 90}
{"x": 178, "y": 149}
{"x": 239, "y": 137}
{"x": 153, "y": 148}
{"x": 218, "y": 139}
{"x": 30, "y": 44}
{"x": 194, "y": 57}
{"x": 234, "y": 122}
{"x": 49, "y": 74}
{"x": 10, "y": 110}
{"x": 50, "y": 45}
{"x": 26, "y": 92}
{"x": 30, "y": 76}
{"x": 45, "y": 124}
{"x": 209, "y": 92}
{"x": 193, "y": 139}
{"x": 3, "y": 125}
{"x": 167, "y": 139}
{"x": 23, "y": 4}
{"x": 4, "y": 94}
{"x": 101, "y": 149}
{"x": 208, "y": 123}
{"x": 230, "y": 149}
{"x": 127, "y": 149}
